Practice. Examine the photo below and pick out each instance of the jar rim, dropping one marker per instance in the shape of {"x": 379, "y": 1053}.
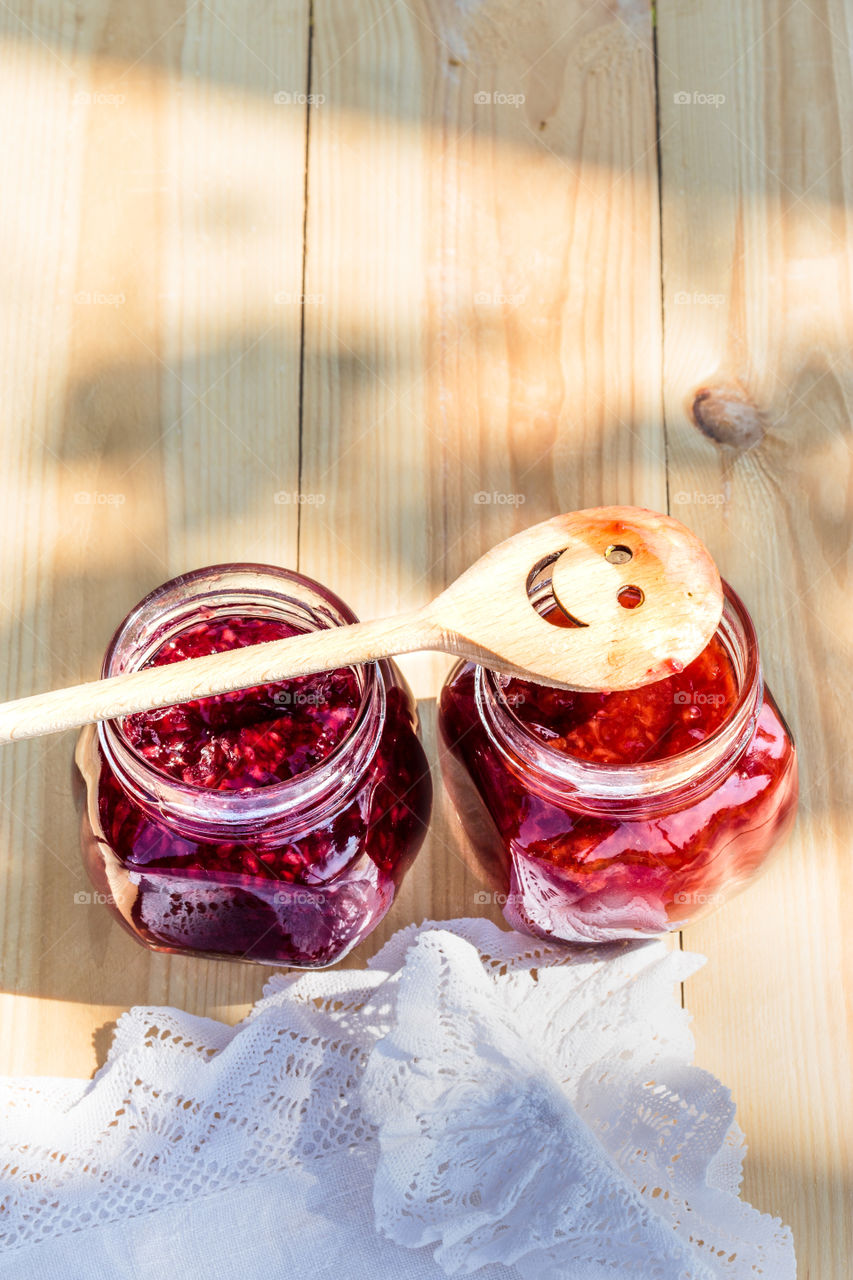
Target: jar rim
{"x": 295, "y": 796}
{"x": 705, "y": 759}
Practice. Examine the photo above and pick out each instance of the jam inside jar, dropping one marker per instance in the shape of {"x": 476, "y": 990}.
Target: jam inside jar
{"x": 598, "y": 816}
{"x": 271, "y": 824}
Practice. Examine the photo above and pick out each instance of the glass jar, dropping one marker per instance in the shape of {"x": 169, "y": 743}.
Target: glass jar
{"x": 586, "y": 851}
{"x": 291, "y": 871}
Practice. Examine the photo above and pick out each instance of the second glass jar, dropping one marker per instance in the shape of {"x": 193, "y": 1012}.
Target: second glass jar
{"x": 587, "y": 824}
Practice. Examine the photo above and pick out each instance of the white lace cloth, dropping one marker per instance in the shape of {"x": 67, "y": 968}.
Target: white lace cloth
{"x": 475, "y": 1102}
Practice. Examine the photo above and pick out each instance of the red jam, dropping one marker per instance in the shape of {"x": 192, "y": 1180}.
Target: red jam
{"x": 569, "y": 860}
{"x": 651, "y": 723}
{"x": 250, "y": 738}
{"x": 301, "y": 888}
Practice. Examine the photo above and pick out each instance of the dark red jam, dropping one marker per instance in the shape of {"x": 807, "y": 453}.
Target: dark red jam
{"x": 289, "y": 890}
{"x": 250, "y": 738}
{"x": 570, "y": 861}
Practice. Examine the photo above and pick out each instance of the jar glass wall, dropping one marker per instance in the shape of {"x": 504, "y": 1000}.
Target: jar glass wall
{"x": 589, "y": 849}
{"x": 272, "y": 825}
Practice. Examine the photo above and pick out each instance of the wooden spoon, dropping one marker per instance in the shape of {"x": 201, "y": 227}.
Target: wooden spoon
{"x": 671, "y": 603}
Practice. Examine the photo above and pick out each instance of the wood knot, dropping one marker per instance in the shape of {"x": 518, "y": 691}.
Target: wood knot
{"x": 727, "y": 415}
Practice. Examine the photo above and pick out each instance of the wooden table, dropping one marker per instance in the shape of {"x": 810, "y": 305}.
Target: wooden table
{"x": 362, "y": 287}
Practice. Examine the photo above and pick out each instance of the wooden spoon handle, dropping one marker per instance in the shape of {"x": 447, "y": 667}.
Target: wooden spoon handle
{"x": 243, "y": 668}
{"x": 486, "y": 616}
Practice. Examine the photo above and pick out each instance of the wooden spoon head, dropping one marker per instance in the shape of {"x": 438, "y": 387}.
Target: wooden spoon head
{"x": 655, "y": 630}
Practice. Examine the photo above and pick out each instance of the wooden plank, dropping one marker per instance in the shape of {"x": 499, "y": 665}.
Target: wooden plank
{"x": 757, "y": 272}
{"x": 151, "y": 332}
{"x": 482, "y": 341}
